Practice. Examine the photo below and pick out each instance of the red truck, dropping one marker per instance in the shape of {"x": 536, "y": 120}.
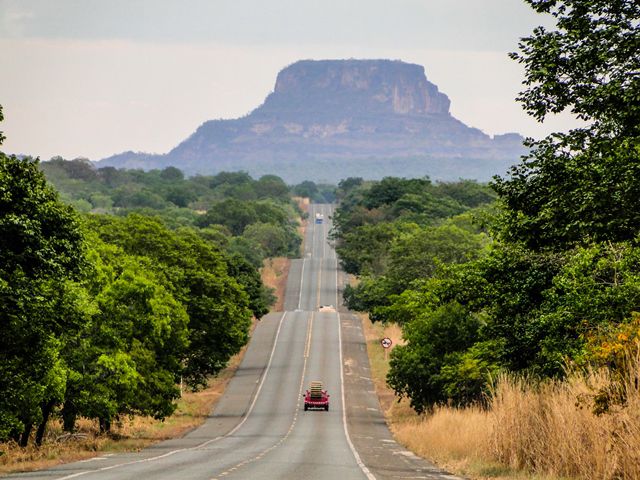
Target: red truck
{"x": 316, "y": 398}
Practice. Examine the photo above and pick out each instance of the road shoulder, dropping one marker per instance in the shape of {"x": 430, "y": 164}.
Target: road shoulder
{"x": 368, "y": 430}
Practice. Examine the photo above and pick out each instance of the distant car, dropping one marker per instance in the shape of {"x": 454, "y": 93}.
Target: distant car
{"x": 316, "y": 398}
{"x": 319, "y": 218}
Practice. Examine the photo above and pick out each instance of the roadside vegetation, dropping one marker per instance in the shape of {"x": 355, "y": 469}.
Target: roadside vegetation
{"x": 528, "y": 430}
{"x": 520, "y": 315}
{"x": 110, "y": 316}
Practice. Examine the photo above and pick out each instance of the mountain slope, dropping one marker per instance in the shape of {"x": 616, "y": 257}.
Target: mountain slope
{"x": 330, "y": 119}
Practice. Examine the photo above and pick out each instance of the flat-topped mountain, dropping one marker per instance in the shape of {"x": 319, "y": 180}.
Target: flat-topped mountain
{"x": 354, "y": 87}
{"x": 330, "y": 119}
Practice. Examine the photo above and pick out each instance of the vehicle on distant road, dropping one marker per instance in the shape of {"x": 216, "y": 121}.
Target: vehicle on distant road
{"x": 326, "y": 308}
{"x": 316, "y": 398}
{"x": 319, "y": 218}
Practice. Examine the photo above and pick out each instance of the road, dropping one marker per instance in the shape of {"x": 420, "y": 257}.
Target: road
{"x": 259, "y": 428}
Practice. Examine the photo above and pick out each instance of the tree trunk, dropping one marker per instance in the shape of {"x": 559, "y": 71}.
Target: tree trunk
{"x": 24, "y": 438}
{"x": 105, "y": 425}
{"x": 69, "y": 415}
{"x": 46, "y": 412}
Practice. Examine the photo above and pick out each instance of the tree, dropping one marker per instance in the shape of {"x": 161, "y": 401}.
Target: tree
{"x": 414, "y": 254}
{"x": 433, "y": 343}
{"x": 127, "y": 359}
{"x": 172, "y": 174}
{"x": 41, "y": 254}
{"x": 579, "y": 185}
{"x": 2, "y": 137}
{"x": 271, "y": 238}
{"x": 196, "y": 274}
{"x": 232, "y": 213}
{"x": 272, "y": 186}
{"x": 306, "y": 189}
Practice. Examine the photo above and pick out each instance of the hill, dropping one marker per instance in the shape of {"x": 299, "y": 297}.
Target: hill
{"x": 330, "y": 119}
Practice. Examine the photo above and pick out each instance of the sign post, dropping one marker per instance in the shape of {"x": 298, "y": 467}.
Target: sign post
{"x": 386, "y": 344}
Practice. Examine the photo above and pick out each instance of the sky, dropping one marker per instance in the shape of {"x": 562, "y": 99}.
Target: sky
{"x": 91, "y": 78}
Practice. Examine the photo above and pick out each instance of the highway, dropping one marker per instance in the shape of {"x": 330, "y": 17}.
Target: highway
{"x": 258, "y": 428}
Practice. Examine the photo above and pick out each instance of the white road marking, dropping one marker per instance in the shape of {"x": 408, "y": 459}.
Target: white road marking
{"x": 301, "y": 279}
{"x": 359, "y": 461}
{"x": 293, "y": 422}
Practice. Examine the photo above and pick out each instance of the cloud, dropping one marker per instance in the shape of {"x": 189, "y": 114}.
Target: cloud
{"x": 14, "y": 19}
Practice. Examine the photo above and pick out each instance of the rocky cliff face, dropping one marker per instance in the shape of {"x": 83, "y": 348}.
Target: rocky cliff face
{"x": 355, "y": 86}
{"x": 330, "y": 119}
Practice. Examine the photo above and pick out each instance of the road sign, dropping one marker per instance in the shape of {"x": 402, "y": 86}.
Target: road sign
{"x": 386, "y": 342}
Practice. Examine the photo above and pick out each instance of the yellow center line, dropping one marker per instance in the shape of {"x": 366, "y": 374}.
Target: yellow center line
{"x": 307, "y": 347}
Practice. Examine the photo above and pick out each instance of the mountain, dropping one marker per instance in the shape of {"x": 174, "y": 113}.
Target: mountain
{"x": 331, "y": 119}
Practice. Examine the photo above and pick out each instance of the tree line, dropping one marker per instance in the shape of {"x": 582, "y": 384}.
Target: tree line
{"x": 105, "y": 315}
{"x": 546, "y": 277}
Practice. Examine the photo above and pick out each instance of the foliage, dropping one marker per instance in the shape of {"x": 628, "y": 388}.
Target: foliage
{"x": 321, "y": 193}
{"x": 41, "y": 255}
{"x": 560, "y": 281}
{"x": 104, "y": 316}
{"x": 372, "y": 215}
{"x": 217, "y": 305}
{"x": 579, "y": 186}
{"x": 128, "y": 356}
{"x": 419, "y": 368}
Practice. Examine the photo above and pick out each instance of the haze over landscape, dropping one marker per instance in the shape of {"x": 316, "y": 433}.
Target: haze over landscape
{"x": 331, "y": 119}
{"x": 98, "y": 79}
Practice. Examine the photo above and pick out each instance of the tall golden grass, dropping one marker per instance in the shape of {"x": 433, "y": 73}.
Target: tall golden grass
{"x": 586, "y": 426}
{"x": 554, "y": 429}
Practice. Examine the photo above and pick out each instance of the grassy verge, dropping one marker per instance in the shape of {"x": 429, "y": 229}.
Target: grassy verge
{"x": 460, "y": 440}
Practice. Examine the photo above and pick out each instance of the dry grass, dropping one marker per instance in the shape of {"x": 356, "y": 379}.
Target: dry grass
{"x": 303, "y": 204}
{"x": 530, "y": 431}
{"x": 274, "y": 275}
{"x": 379, "y": 363}
{"x": 553, "y": 428}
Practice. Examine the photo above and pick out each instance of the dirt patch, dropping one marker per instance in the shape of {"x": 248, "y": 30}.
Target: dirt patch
{"x": 303, "y": 204}
{"x": 274, "y": 275}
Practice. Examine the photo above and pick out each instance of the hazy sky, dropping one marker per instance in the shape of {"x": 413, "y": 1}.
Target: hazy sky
{"x": 95, "y": 77}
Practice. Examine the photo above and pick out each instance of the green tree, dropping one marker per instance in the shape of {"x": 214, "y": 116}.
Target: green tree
{"x": 271, "y": 238}
{"x": 41, "y": 254}
{"x": 272, "y": 186}
{"x": 433, "y": 343}
{"x": 172, "y": 174}
{"x": 581, "y": 184}
{"x": 232, "y": 213}
{"x": 197, "y": 275}
{"x": 128, "y": 357}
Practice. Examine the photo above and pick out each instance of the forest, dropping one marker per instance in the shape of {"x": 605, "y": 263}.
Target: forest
{"x": 119, "y": 287}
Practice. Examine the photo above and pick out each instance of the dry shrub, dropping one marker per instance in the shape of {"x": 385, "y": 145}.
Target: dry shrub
{"x": 587, "y": 426}
{"x": 448, "y": 434}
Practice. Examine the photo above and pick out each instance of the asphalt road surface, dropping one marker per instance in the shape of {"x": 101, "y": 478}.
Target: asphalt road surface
{"x": 259, "y": 428}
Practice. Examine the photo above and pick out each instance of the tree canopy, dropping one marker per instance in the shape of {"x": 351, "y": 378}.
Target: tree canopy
{"x": 105, "y": 314}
